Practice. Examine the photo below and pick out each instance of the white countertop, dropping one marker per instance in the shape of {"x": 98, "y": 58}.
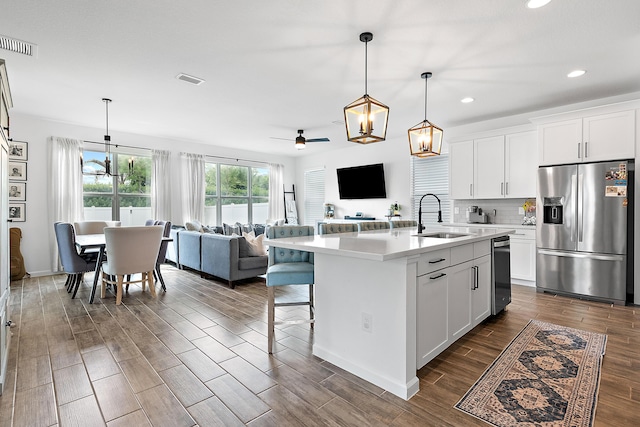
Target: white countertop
{"x": 383, "y": 245}
{"x": 507, "y": 226}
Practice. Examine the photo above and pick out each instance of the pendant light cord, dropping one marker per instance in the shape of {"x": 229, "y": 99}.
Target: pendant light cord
{"x": 365, "y": 67}
{"x": 426, "y": 81}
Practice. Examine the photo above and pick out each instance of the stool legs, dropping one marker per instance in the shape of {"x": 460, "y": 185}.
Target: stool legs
{"x": 271, "y": 317}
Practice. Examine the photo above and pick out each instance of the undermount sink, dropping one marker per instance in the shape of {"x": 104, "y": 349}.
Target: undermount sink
{"x": 442, "y": 235}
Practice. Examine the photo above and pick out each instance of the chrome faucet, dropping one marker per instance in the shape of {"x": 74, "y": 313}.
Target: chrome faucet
{"x": 420, "y": 226}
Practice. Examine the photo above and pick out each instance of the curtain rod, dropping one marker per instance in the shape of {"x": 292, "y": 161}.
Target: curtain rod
{"x": 237, "y": 159}
{"x": 118, "y": 145}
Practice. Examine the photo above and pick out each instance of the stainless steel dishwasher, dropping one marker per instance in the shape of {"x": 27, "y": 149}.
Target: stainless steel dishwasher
{"x": 500, "y": 274}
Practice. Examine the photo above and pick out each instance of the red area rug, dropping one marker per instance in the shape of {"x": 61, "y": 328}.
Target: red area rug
{"x": 547, "y": 376}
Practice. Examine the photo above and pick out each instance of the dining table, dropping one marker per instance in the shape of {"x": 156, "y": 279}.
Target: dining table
{"x": 86, "y": 242}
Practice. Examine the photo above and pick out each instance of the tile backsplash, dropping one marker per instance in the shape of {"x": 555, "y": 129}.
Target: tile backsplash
{"x": 506, "y": 210}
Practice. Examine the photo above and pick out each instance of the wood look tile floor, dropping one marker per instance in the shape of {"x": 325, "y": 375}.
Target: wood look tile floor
{"x": 197, "y": 355}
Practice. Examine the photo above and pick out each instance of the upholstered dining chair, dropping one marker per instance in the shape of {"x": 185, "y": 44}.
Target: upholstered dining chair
{"x": 130, "y": 250}
{"x": 74, "y": 264}
{"x": 162, "y": 254}
{"x": 336, "y": 227}
{"x": 373, "y": 225}
{"x": 403, "y": 223}
{"x": 288, "y": 267}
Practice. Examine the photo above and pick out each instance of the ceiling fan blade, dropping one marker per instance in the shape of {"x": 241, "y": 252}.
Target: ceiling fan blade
{"x": 284, "y": 139}
{"x": 318, "y": 140}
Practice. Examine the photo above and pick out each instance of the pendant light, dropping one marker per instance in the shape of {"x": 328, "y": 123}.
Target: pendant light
{"x": 425, "y": 138}
{"x": 365, "y": 118}
{"x": 107, "y": 141}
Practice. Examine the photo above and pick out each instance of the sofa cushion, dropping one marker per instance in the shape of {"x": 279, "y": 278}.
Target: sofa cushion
{"x": 251, "y": 262}
{"x": 254, "y": 244}
{"x": 243, "y": 248}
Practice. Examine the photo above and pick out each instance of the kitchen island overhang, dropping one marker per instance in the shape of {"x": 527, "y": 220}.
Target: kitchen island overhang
{"x": 366, "y": 293}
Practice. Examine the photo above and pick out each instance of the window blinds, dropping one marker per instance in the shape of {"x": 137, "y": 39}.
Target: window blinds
{"x": 313, "y": 196}
{"x": 430, "y": 175}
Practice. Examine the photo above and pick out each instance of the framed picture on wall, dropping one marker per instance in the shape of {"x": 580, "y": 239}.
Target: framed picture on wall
{"x": 18, "y": 150}
{"x": 17, "y": 212}
{"x": 17, "y": 191}
{"x": 18, "y": 171}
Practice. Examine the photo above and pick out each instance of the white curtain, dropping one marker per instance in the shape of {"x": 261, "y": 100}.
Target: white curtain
{"x": 193, "y": 187}
{"x": 65, "y": 201}
{"x": 276, "y": 192}
{"x": 160, "y": 185}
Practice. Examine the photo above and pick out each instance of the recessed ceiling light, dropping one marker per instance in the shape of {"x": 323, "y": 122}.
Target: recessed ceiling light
{"x": 534, "y": 4}
{"x": 190, "y": 79}
{"x": 467, "y": 100}
{"x": 576, "y": 73}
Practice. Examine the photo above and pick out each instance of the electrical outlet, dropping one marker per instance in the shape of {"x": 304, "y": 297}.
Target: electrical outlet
{"x": 456, "y": 210}
{"x": 520, "y": 210}
{"x": 367, "y": 322}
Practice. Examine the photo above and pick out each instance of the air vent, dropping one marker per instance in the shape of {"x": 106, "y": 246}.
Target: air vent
{"x": 189, "y": 79}
{"x": 18, "y": 46}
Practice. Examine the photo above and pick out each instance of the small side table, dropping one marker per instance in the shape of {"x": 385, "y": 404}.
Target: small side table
{"x": 389, "y": 217}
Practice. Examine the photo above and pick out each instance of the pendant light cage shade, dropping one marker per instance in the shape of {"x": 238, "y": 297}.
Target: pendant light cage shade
{"x": 366, "y": 120}
{"x": 425, "y": 139}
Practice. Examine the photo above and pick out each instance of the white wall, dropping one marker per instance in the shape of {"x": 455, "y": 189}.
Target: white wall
{"x": 36, "y": 230}
{"x": 394, "y": 154}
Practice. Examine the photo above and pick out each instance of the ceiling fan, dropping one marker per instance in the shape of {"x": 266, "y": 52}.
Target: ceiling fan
{"x": 301, "y": 140}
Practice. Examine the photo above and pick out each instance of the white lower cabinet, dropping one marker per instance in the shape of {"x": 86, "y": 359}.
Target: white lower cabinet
{"x": 452, "y": 300}
{"x": 523, "y": 256}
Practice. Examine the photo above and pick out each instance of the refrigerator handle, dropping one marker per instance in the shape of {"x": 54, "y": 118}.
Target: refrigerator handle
{"x": 586, "y": 149}
{"x": 579, "y": 151}
{"x": 580, "y": 207}
{"x": 573, "y": 220}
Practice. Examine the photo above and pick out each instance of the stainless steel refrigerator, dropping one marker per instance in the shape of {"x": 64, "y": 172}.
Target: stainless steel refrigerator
{"x": 585, "y": 230}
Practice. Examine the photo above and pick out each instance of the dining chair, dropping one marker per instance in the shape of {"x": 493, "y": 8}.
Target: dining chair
{"x": 73, "y": 263}
{"x": 336, "y": 227}
{"x": 288, "y": 267}
{"x": 162, "y": 254}
{"x": 93, "y": 227}
{"x": 130, "y": 250}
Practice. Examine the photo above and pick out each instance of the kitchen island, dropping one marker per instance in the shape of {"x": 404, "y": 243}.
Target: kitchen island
{"x": 388, "y": 301}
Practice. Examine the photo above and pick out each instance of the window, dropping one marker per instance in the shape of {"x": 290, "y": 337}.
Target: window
{"x": 236, "y": 194}
{"x": 125, "y": 197}
{"x": 430, "y": 175}
{"x": 313, "y": 196}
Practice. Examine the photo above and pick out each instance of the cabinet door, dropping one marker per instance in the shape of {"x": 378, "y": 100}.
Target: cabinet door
{"x": 523, "y": 258}
{"x": 609, "y": 136}
{"x": 520, "y": 165}
{"x": 560, "y": 142}
{"x": 461, "y": 170}
{"x": 432, "y": 330}
{"x": 489, "y": 167}
{"x": 481, "y": 295}
{"x": 459, "y": 299}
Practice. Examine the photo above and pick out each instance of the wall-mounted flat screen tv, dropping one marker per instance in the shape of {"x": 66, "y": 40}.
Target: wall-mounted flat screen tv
{"x": 362, "y": 182}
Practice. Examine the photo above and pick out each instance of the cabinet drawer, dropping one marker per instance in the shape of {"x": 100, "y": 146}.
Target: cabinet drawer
{"x": 433, "y": 261}
{"x": 461, "y": 254}
{"x": 523, "y": 234}
{"x": 481, "y": 248}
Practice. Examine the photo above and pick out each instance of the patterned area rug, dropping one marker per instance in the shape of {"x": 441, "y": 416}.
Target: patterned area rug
{"x": 547, "y": 376}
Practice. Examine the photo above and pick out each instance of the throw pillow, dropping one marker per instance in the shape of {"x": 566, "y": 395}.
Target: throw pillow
{"x": 254, "y": 244}
{"x": 230, "y": 229}
{"x": 193, "y": 225}
{"x": 243, "y": 247}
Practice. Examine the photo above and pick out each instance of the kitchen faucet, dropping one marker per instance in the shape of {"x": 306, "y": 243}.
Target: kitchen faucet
{"x": 420, "y": 226}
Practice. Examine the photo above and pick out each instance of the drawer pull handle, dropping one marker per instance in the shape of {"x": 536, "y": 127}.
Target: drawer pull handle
{"x": 437, "y": 277}
{"x": 435, "y": 261}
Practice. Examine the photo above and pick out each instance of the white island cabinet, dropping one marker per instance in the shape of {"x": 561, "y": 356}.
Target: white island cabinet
{"x": 387, "y": 301}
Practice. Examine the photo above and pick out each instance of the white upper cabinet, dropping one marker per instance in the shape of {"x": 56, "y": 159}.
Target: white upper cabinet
{"x": 489, "y": 167}
{"x": 496, "y": 167}
{"x": 520, "y": 166}
{"x": 588, "y": 139}
{"x": 461, "y": 170}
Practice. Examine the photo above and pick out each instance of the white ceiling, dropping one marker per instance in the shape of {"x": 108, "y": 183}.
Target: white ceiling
{"x": 272, "y": 67}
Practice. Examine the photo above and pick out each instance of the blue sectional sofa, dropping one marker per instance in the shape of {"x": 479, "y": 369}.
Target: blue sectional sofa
{"x": 213, "y": 254}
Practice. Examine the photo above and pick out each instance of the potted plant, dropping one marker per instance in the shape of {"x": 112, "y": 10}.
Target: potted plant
{"x": 394, "y": 209}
